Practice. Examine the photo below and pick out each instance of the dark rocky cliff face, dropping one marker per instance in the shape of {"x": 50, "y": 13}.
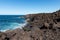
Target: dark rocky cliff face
{"x": 43, "y": 26}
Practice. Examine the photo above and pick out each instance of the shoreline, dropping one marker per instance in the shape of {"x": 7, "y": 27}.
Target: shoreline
{"x": 15, "y": 27}
{"x": 39, "y": 27}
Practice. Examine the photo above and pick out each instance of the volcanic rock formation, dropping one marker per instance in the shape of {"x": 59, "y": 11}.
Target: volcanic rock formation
{"x": 41, "y": 26}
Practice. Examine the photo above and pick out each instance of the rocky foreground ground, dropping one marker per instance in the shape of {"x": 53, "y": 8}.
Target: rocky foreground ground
{"x": 41, "y": 26}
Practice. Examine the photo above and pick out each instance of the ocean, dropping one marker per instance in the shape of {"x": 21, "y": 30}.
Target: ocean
{"x": 11, "y": 22}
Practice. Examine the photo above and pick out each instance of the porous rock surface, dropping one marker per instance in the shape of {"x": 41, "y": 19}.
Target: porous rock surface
{"x": 41, "y": 26}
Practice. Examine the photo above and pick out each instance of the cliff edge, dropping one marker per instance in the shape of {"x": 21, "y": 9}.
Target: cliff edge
{"x": 41, "y": 26}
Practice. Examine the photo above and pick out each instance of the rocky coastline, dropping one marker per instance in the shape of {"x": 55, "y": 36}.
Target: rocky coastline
{"x": 41, "y": 26}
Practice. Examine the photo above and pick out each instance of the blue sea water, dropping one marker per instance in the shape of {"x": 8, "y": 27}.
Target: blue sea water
{"x": 10, "y": 22}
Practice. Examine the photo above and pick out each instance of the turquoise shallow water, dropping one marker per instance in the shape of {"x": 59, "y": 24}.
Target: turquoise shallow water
{"x": 10, "y": 22}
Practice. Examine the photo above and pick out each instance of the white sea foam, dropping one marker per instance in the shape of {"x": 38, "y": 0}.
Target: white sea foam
{"x": 14, "y": 26}
{"x": 4, "y": 30}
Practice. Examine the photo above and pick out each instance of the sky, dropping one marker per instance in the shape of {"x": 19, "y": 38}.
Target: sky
{"x": 23, "y": 7}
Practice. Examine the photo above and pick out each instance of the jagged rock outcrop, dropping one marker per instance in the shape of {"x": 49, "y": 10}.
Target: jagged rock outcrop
{"x": 41, "y": 26}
